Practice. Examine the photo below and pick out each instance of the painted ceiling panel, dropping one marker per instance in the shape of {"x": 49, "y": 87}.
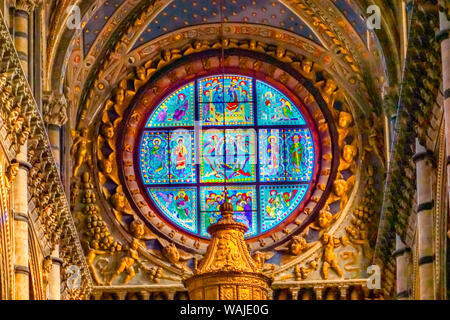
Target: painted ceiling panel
{"x": 98, "y": 21}
{"x": 182, "y": 13}
{"x": 356, "y": 20}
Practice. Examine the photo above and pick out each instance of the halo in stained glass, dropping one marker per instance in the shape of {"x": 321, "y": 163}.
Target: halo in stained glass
{"x": 228, "y": 155}
{"x": 272, "y": 155}
{"x": 256, "y": 143}
{"x": 154, "y": 157}
{"x": 244, "y": 204}
{"x": 299, "y": 154}
{"x": 177, "y": 204}
{"x": 226, "y": 100}
{"x": 274, "y": 108}
{"x": 176, "y": 110}
{"x": 182, "y": 160}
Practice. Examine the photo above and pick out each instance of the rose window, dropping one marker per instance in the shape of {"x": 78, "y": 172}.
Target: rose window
{"x": 227, "y": 132}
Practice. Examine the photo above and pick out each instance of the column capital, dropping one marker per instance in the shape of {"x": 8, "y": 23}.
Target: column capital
{"x": 25, "y": 5}
{"x": 54, "y": 108}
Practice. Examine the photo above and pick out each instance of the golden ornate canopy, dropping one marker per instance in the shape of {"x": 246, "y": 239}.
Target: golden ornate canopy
{"x": 227, "y": 271}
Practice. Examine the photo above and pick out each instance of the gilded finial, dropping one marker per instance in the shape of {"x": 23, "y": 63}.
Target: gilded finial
{"x": 226, "y": 208}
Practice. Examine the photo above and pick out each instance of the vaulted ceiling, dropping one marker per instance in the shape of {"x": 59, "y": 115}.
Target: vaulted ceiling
{"x": 334, "y": 27}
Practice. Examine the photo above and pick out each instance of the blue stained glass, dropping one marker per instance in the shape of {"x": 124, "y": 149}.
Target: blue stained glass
{"x": 244, "y": 204}
{"x": 212, "y": 149}
{"x": 182, "y": 147}
{"x": 271, "y": 155}
{"x": 278, "y": 202}
{"x": 228, "y": 88}
{"x": 176, "y": 110}
{"x": 274, "y": 108}
{"x": 154, "y": 157}
{"x": 299, "y": 154}
{"x": 220, "y": 114}
{"x": 238, "y": 89}
{"x": 228, "y": 152}
{"x": 228, "y": 155}
{"x": 177, "y": 204}
{"x": 226, "y": 100}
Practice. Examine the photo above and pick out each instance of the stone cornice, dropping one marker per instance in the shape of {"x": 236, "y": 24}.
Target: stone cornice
{"x": 44, "y": 177}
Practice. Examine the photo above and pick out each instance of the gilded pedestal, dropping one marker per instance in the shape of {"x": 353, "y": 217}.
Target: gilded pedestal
{"x": 227, "y": 271}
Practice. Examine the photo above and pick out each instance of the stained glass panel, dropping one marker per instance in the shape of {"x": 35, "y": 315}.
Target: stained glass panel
{"x": 228, "y": 88}
{"x": 299, "y": 154}
{"x": 279, "y": 140}
{"x": 228, "y": 155}
{"x": 212, "y": 148}
{"x": 154, "y": 157}
{"x": 274, "y": 108}
{"x": 271, "y": 155}
{"x": 244, "y": 204}
{"x": 182, "y": 161}
{"x": 226, "y": 100}
{"x": 177, "y": 204}
{"x": 278, "y": 202}
{"x": 176, "y": 110}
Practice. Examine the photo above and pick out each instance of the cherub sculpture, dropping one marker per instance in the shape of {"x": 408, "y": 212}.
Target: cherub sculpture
{"x": 329, "y": 256}
{"x": 127, "y": 263}
{"x": 79, "y": 150}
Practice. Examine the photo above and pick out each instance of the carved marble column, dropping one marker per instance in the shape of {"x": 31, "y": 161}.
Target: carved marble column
{"x": 54, "y": 277}
{"x": 24, "y": 8}
{"x": 402, "y": 255}
{"x": 55, "y": 116}
{"x": 425, "y": 204}
{"x": 20, "y": 209}
{"x": 444, "y": 38}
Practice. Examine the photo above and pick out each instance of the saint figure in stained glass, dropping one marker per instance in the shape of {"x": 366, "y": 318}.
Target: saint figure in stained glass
{"x": 266, "y": 163}
{"x": 296, "y": 152}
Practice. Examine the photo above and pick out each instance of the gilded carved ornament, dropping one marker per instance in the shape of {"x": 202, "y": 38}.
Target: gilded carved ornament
{"x": 328, "y": 88}
{"x": 54, "y": 109}
{"x": 79, "y": 149}
{"x": 26, "y": 5}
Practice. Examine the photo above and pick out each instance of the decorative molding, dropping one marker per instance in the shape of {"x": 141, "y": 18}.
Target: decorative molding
{"x": 25, "y": 165}
{"x": 423, "y": 155}
{"x": 19, "y": 216}
{"x": 401, "y": 251}
{"x": 426, "y": 260}
{"x": 22, "y": 269}
{"x": 442, "y": 35}
{"x": 425, "y": 206}
{"x": 403, "y": 294}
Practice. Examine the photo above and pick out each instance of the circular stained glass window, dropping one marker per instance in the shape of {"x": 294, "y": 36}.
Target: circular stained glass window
{"x": 233, "y": 133}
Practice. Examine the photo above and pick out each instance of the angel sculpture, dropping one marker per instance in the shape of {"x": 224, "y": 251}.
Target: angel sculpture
{"x": 261, "y": 258}
{"x": 175, "y": 256}
{"x": 79, "y": 150}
